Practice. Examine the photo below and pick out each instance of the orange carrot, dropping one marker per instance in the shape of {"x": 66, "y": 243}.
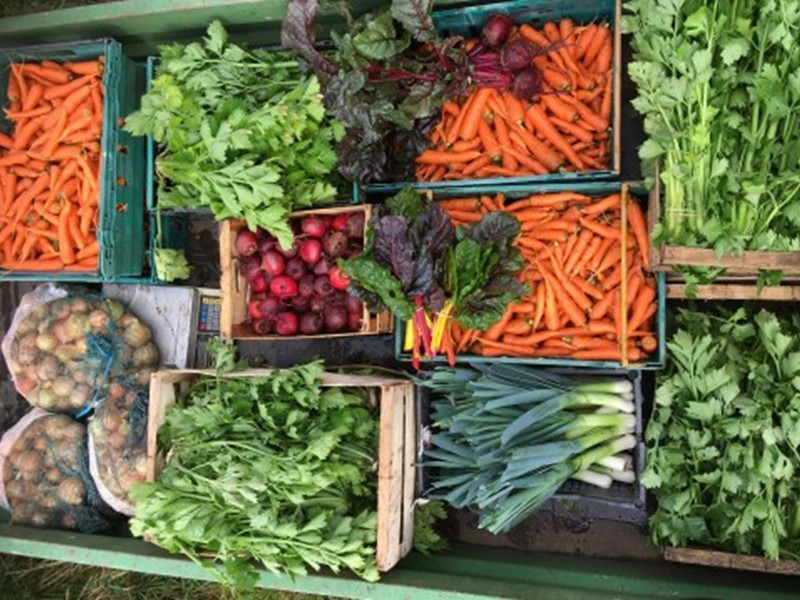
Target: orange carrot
{"x": 638, "y": 226}
{"x": 54, "y": 264}
{"x": 88, "y": 67}
{"x": 557, "y": 79}
{"x": 640, "y": 307}
{"x": 65, "y": 244}
{"x": 573, "y": 129}
{"x": 596, "y": 44}
{"x": 600, "y": 229}
{"x": 487, "y": 139}
{"x": 436, "y": 157}
{"x": 66, "y": 89}
{"x": 544, "y": 126}
{"x": 475, "y": 165}
{"x": 469, "y": 127}
{"x": 608, "y": 203}
{"x": 88, "y": 251}
{"x": 540, "y": 151}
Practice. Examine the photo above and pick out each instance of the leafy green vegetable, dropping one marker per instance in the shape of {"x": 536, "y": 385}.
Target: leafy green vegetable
{"x": 385, "y": 92}
{"x": 274, "y": 469}
{"x": 724, "y": 438}
{"x": 171, "y": 264}
{"x": 243, "y": 133}
{"x": 426, "y": 538}
{"x": 719, "y": 87}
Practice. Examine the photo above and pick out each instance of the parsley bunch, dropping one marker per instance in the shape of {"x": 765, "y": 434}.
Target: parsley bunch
{"x": 274, "y": 469}
{"x": 724, "y": 439}
{"x": 243, "y": 133}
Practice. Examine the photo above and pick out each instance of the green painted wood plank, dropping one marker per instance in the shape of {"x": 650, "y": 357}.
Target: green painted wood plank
{"x": 464, "y": 573}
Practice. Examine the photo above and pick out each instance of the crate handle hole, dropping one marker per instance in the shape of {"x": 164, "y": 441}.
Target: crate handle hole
{"x": 121, "y": 181}
{"x": 121, "y": 121}
{"x": 121, "y": 207}
{"x": 122, "y": 148}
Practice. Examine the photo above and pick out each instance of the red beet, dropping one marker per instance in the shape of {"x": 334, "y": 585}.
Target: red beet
{"x": 268, "y": 307}
{"x": 317, "y": 303}
{"x": 355, "y": 225}
{"x": 314, "y": 227}
{"x": 354, "y": 305}
{"x": 290, "y": 251}
{"x": 335, "y": 318}
{"x": 322, "y": 285}
{"x": 527, "y": 83}
{"x": 283, "y": 286}
{"x": 326, "y": 221}
{"x": 322, "y": 267}
{"x": 517, "y": 54}
{"x": 246, "y": 243}
{"x": 262, "y": 327}
{"x": 496, "y": 29}
{"x": 286, "y": 323}
{"x": 296, "y": 268}
{"x": 273, "y": 262}
{"x": 267, "y": 244}
{"x": 259, "y": 283}
{"x": 300, "y": 303}
{"x": 310, "y": 251}
{"x": 339, "y": 222}
{"x": 335, "y": 243}
{"x": 250, "y": 267}
{"x": 354, "y": 321}
{"x": 305, "y": 286}
{"x": 310, "y": 323}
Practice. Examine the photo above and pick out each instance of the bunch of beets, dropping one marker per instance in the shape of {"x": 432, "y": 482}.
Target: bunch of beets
{"x": 301, "y": 290}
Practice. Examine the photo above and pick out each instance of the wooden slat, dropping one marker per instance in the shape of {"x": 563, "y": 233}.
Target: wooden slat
{"x": 390, "y": 477}
{"x": 409, "y": 470}
{"x": 727, "y": 560}
{"x": 747, "y": 262}
{"x": 617, "y": 83}
{"x": 736, "y": 292}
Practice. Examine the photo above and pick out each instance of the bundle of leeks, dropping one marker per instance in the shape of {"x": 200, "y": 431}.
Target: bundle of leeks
{"x": 507, "y": 437}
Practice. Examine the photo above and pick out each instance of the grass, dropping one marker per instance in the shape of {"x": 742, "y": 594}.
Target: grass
{"x": 23, "y": 578}
{"x": 13, "y": 8}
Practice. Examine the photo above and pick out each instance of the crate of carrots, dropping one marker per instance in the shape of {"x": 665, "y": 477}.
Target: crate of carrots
{"x": 544, "y": 104}
{"x": 579, "y": 278}
{"x": 71, "y": 181}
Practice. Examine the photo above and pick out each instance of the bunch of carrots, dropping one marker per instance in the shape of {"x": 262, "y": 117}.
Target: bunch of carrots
{"x": 493, "y": 133}
{"x": 585, "y": 302}
{"x": 50, "y": 165}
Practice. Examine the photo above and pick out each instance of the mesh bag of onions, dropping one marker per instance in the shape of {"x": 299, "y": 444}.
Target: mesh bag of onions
{"x": 45, "y": 475}
{"x": 118, "y": 444}
{"x": 63, "y": 350}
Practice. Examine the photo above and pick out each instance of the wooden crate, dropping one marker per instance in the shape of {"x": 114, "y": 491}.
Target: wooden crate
{"x": 745, "y": 267}
{"x": 235, "y": 292}
{"x": 735, "y": 290}
{"x": 729, "y": 560}
{"x": 396, "y": 447}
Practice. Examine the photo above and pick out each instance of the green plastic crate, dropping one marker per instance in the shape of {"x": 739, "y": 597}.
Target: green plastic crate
{"x": 467, "y": 21}
{"x": 656, "y": 361}
{"x": 121, "y": 205}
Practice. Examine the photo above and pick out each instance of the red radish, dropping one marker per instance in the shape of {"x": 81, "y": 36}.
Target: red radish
{"x": 353, "y": 251}
{"x": 326, "y": 221}
{"x": 268, "y": 307}
{"x": 335, "y": 318}
{"x": 288, "y": 252}
{"x": 283, "y": 286}
{"x": 339, "y": 279}
{"x": 250, "y": 267}
{"x": 314, "y": 227}
{"x": 317, "y": 303}
{"x": 354, "y": 305}
{"x": 310, "y": 323}
{"x": 355, "y": 225}
{"x": 262, "y": 327}
{"x": 354, "y": 321}
{"x": 335, "y": 243}
{"x": 246, "y": 243}
{"x": 322, "y": 267}
{"x": 310, "y": 251}
{"x": 259, "y": 283}
{"x": 305, "y": 286}
{"x": 296, "y": 268}
{"x": 273, "y": 263}
{"x": 300, "y": 303}
{"x": 252, "y": 309}
{"x": 340, "y": 222}
{"x": 286, "y": 323}
{"x": 322, "y": 285}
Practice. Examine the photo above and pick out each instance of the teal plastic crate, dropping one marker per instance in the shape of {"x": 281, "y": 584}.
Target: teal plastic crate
{"x": 120, "y": 233}
{"x": 656, "y": 361}
{"x": 467, "y": 21}
{"x": 175, "y": 235}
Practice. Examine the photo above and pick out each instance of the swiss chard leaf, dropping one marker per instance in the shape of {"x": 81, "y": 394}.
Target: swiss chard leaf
{"x": 366, "y": 273}
{"x": 393, "y": 249}
{"x": 299, "y": 32}
{"x": 378, "y": 39}
{"x": 415, "y": 15}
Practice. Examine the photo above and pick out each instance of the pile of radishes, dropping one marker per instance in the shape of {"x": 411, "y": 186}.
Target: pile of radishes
{"x": 301, "y": 290}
